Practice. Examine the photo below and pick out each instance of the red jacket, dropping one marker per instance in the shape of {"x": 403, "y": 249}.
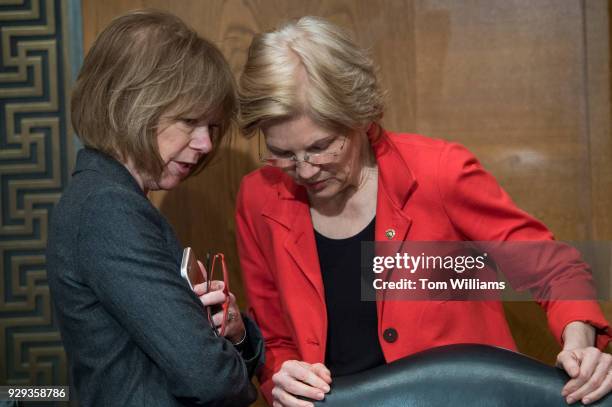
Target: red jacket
{"x": 428, "y": 190}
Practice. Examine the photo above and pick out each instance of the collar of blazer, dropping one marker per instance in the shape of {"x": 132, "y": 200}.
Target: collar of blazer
{"x": 89, "y": 159}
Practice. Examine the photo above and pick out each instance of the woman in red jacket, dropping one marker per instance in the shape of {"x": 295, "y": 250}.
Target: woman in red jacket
{"x": 336, "y": 178}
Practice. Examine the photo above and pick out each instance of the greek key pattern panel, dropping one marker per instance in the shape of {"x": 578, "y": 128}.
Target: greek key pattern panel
{"x": 35, "y": 158}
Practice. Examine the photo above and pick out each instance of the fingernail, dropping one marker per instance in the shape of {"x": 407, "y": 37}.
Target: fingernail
{"x": 320, "y": 396}
{"x": 569, "y": 400}
{"x": 326, "y": 388}
{"x": 586, "y": 400}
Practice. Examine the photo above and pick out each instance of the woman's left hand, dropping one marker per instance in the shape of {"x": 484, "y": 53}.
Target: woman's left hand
{"x": 589, "y": 368}
{"x": 234, "y": 327}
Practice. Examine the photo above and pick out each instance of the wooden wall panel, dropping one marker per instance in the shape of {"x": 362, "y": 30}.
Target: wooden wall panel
{"x": 524, "y": 84}
{"x": 507, "y": 80}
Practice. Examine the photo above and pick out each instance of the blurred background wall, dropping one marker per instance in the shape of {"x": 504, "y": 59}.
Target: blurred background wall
{"x": 524, "y": 84}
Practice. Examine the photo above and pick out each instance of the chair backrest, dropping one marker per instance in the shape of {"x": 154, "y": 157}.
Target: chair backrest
{"x": 463, "y": 375}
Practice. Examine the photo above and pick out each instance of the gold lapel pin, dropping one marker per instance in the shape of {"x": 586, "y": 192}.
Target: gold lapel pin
{"x": 390, "y": 233}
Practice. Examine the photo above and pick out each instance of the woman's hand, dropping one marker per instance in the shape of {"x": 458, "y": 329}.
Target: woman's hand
{"x": 296, "y": 378}
{"x": 589, "y": 368}
{"x": 234, "y": 327}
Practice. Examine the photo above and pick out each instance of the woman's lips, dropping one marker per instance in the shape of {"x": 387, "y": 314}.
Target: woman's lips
{"x": 316, "y": 186}
{"x": 183, "y": 168}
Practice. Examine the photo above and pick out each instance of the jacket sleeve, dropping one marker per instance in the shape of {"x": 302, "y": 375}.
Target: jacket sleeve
{"x": 125, "y": 259}
{"x": 264, "y": 302}
{"x": 482, "y": 211}
{"x": 252, "y": 350}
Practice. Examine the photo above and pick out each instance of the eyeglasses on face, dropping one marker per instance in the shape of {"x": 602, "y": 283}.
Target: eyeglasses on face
{"x": 321, "y": 158}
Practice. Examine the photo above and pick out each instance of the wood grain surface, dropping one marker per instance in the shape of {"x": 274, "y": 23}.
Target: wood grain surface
{"x": 524, "y": 84}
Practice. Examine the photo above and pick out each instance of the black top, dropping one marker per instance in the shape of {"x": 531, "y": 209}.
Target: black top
{"x": 352, "y": 332}
{"x": 134, "y": 333}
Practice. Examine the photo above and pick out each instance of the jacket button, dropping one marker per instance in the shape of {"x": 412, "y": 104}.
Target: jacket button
{"x": 390, "y": 335}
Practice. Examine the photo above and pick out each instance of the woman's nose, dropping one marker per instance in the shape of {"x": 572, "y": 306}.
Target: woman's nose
{"x": 306, "y": 171}
{"x": 200, "y": 140}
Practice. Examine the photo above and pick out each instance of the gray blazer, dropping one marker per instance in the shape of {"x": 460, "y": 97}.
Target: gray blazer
{"x": 134, "y": 333}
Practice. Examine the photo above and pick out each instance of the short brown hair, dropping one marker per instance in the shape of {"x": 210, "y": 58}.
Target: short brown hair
{"x": 143, "y": 65}
{"x": 341, "y": 90}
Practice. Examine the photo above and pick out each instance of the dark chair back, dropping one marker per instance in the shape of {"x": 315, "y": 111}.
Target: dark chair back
{"x": 455, "y": 375}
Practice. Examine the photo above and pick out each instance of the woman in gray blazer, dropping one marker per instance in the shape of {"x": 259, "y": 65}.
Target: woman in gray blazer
{"x": 151, "y": 102}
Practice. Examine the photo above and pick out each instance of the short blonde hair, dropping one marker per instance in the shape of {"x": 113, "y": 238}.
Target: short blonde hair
{"x": 340, "y": 91}
{"x": 143, "y": 65}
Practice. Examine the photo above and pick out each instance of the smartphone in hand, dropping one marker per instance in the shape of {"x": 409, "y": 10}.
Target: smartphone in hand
{"x": 190, "y": 270}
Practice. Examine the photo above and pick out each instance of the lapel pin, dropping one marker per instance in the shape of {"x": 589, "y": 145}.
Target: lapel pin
{"x": 390, "y": 233}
